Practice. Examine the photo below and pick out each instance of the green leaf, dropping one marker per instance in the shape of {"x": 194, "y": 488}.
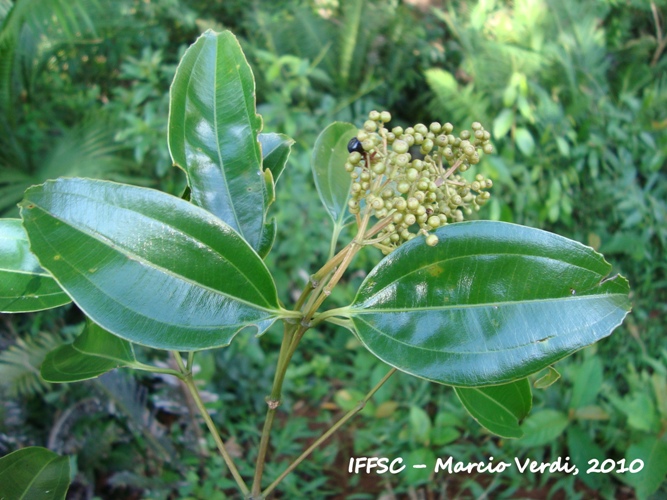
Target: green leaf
{"x": 328, "y": 164}
{"x": 653, "y": 452}
{"x": 524, "y": 141}
{"x": 503, "y": 123}
{"x": 93, "y": 353}
{"x": 146, "y": 266}
{"x": 213, "y": 133}
{"x": 24, "y": 285}
{"x": 587, "y": 383}
{"x": 542, "y": 427}
{"x": 420, "y": 475}
{"x": 547, "y": 379}
{"x": 499, "y": 408}
{"x": 581, "y": 449}
{"x": 275, "y": 152}
{"x": 491, "y": 303}
{"x": 34, "y": 472}
{"x": 420, "y": 424}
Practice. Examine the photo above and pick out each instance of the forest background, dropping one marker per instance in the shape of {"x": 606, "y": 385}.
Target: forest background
{"x": 575, "y": 95}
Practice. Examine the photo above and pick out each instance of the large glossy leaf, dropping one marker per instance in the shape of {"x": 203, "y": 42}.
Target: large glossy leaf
{"x": 213, "y": 133}
{"x": 328, "y": 165}
{"x": 93, "y": 353}
{"x": 34, "y": 472}
{"x": 499, "y": 408}
{"x": 146, "y": 266}
{"x": 24, "y": 285}
{"x": 491, "y": 303}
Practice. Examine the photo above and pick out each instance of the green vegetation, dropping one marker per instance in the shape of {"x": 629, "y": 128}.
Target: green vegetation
{"x": 574, "y": 95}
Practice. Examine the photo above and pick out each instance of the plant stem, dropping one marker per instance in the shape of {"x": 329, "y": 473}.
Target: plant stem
{"x": 294, "y": 332}
{"x": 192, "y": 388}
{"x": 273, "y": 402}
{"x": 360, "y": 406}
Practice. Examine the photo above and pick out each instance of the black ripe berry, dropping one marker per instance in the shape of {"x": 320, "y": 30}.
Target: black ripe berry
{"x": 354, "y": 145}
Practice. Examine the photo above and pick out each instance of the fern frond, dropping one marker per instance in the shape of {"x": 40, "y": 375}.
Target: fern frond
{"x": 19, "y": 364}
{"x": 130, "y": 400}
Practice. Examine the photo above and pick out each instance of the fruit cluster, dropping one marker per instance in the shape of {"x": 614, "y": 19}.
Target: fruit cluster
{"x": 407, "y": 178}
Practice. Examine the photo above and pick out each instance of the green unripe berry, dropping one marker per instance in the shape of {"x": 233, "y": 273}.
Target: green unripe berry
{"x": 409, "y": 219}
{"x": 457, "y": 200}
{"x": 432, "y": 240}
{"x": 402, "y": 159}
{"x": 413, "y": 204}
{"x": 412, "y": 174}
{"x": 368, "y": 144}
{"x": 381, "y": 214}
{"x": 409, "y": 131}
{"x": 397, "y": 131}
{"x": 422, "y": 185}
{"x": 374, "y": 115}
{"x": 435, "y": 127}
{"x": 488, "y": 183}
{"x": 476, "y": 126}
{"x": 391, "y": 137}
{"x": 475, "y": 186}
{"x": 441, "y": 140}
{"x": 464, "y": 134}
{"x": 420, "y": 196}
{"x": 352, "y": 204}
{"x": 419, "y": 138}
{"x": 400, "y": 146}
{"x": 433, "y": 221}
{"x": 427, "y": 146}
{"x": 370, "y": 126}
{"x": 487, "y": 135}
{"x": 365, "y": 176}
{"x": 403, "y": 187}
{"x": 448, "y": 127}
{"x": 379, "y": 168}
{"x": 479, "y": 177}
{"x": 487, "y": 148}
{"x": 349, "y": 167}
{"x": 397, "y": 218}
{"x": 356, "y": 187}
{"x": 385, "y": 116}
{"x": 418, "y": 165}
{"x": 377, "y": 204}
{"x": 420, "y": 128}
{"x": 400, "y": 204}
{"x": 354, "y": 158}
{"x": 387, "y": 193}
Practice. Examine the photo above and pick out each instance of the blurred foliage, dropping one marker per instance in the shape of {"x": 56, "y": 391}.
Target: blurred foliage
{"x": 575, "y": 94}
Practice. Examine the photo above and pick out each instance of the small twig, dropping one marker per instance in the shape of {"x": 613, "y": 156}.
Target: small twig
{"x": 360, "y": 406}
